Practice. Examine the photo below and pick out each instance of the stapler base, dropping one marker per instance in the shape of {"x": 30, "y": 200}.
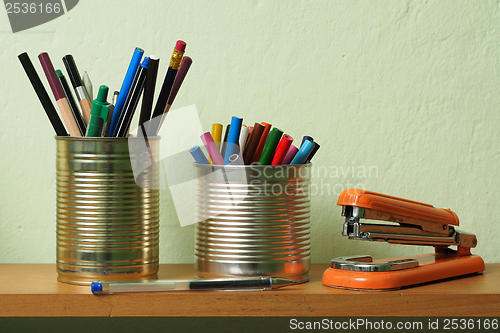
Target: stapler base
{"x": 431, "y": 267}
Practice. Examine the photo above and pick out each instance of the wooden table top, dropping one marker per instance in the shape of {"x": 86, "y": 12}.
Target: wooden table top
{"x": 33, "y": 290}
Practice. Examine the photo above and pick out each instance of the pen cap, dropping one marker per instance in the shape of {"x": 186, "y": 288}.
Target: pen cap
{"x": 96, "y": 287}
{"x": 99, "y": 113}
{"x": 102, "y": 95}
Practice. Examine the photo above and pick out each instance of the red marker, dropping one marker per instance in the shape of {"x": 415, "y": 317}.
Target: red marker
{"x": 282, "y": 149}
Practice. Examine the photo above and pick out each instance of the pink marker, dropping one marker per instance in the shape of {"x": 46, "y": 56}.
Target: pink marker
{"x": 214, "y": 153}
{"x": 292, "y": 151}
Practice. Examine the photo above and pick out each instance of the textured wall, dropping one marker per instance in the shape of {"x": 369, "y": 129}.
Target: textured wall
{"x": 403, "y": 93}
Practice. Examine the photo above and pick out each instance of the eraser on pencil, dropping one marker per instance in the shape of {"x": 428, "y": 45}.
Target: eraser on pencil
{"x": 180, "y": 46}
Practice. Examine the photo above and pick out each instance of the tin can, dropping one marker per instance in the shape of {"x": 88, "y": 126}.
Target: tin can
{"x": 107, "y": 225}
{"x": 255, "y": 221}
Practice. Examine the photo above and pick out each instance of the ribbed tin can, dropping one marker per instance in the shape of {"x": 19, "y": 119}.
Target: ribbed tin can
{"x": 107, "y": 225}
{"x": 255, "y": 220}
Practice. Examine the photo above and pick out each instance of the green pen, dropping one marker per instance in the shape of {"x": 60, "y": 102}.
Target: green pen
{"x": 98, "y": 113}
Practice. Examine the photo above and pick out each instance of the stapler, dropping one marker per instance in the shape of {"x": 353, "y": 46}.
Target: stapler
{"x": 404, "y": 222}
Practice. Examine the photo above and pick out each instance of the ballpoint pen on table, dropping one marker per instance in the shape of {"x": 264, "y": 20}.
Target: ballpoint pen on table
{"x": 259, "y": 283}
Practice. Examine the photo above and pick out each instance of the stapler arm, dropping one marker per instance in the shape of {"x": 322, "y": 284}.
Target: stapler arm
{"x": 409, "y": 222}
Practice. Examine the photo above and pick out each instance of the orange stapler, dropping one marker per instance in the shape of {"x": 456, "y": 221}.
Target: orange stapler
{"x": 406, "y": 222}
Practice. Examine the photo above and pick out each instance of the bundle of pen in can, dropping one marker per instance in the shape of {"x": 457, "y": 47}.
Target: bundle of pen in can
{"x": 105, "y": 116}
{"x": 259, "y": 144}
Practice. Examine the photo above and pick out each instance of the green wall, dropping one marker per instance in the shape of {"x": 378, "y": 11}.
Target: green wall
{"x": 408, "y": 90}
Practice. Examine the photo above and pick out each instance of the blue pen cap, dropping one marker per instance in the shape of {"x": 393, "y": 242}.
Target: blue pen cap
{"x": 96, "y": 287}
{"x": 145, "y": 62}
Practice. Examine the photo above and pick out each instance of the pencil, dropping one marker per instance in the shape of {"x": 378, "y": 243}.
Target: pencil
{"x": 88, "y": 85}
{"x": 179, "y": 78}
{"x": 42, "y": 95}
{"x": 57, "y": 90}
{"x": 81, "y": 91}
{"x": 72, "y": 104}
{"x": 166, "y": 88}
{"x": 149, "y": 89}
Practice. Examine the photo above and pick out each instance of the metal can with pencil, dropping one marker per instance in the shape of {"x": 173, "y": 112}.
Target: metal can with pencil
{"x": 107, "y": 225}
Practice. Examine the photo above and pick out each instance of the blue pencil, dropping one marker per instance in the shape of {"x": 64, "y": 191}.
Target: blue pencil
{"x": 303, "y": 153}
{"x": 233, "y": 139}
{"x": 127, "y": 83}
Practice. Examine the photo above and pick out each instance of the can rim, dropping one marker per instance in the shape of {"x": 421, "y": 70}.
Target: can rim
{"x": 252, "y": 166}
{"x": 84, "y": 138}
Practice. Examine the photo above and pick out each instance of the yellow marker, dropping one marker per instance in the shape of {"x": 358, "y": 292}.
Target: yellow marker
{"x": 217, "y": 134}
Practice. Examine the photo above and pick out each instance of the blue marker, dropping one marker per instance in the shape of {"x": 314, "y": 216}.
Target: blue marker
{"x": 127, "y": 83}
{"x": 233, "y": 139}
{"x": 304, "y": 138}
{"x": 303, "y": 153}
{"x": 198, "y": 155}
